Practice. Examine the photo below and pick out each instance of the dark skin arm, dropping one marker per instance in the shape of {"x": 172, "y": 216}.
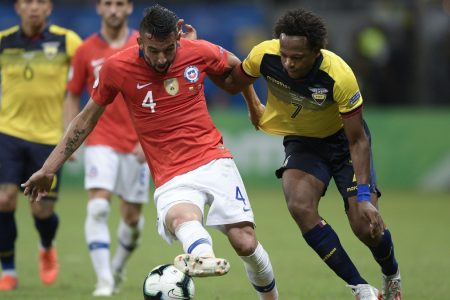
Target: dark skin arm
{"x": 360, "y": 154}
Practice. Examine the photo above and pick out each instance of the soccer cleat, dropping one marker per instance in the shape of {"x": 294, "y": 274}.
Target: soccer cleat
{"x": 391, "y": 287}
{"x": 48, "y": 265}
{"x": 365, "y": 292}
{"x": 197, "y": 266}
{"x": 119, "y": 278}
{"x": 103, "y": 289}
{"x": 8, "y": 283}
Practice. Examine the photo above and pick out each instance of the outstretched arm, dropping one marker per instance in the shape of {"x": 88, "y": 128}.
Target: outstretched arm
{"x": 38, "y": 185}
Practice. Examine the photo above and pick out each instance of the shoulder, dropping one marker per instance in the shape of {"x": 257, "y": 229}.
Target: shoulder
{"x": 9, "y": 31}
{"x": 266, "y": 47}
{"x": 124, "y": 58}
{"x": 58, "y": 30}
{"x": 199, "y": 45}
{"x": 89, "y": 42}
{"x": 336, "y": 67}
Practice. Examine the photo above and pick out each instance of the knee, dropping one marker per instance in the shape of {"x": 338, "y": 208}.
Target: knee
{"x": 8, "y": 197}
{"x": 132, "y": 220}
{"x": 243, "y": 240}
{"x": 300, "y": 210}
{"x": 98, "y": 209}
{"x": 131, "y": 217}
{"x": 182, "y": 213}
{"x": 363, "y": 233}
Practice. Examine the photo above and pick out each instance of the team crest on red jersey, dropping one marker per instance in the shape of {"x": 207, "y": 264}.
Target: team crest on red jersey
{"x": 191, "y": 74}
{"x": 171, "y": 86}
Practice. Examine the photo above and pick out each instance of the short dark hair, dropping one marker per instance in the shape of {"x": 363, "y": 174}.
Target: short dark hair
{"x": 300, "y": 22}
{"x": 158, "y": 21}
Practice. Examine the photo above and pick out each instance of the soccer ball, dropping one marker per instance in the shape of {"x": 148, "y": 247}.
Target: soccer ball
{"x": 166, "y": 282}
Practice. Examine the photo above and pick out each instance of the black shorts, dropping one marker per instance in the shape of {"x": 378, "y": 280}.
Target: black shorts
{"x": 19, "y": 159}
{"x": 326, "y": 158}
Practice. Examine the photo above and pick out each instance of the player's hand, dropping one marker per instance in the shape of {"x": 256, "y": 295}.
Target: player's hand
{"x": 373, "y": 217}
{"x": 38, "y": 185}
{"x": 190, "y": 34}
{"x": 255, "y": 114}
{"x": 139, "y": 152}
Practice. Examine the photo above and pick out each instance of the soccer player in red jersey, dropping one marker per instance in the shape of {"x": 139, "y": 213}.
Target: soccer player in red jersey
{"x": 114, "y": 161}
{"x": 161, "y": 81}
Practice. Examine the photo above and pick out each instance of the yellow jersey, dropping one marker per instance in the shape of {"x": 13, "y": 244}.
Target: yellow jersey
{"x": 33, "y": 81}
{"x": 312, "y": 106}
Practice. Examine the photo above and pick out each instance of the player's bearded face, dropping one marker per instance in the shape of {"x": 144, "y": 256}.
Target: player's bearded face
{"x": 296, "y": 55}
{"x": 114, "y": 12}
{"x": 159, "y": 52}
{"x": 34, "y": 13}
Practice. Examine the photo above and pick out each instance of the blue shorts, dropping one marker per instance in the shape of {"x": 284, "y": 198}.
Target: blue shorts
{"x": 326, "y": 158}
{"x": 19, "y": 159}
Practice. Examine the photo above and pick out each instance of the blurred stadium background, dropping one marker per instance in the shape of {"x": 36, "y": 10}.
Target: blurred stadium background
{"x": 400, "y": 53}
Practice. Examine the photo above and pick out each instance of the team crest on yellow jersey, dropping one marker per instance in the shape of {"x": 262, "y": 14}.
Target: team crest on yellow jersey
{"x": 319, "y": 94}
{"x": 50, "y": 49}
{"x": 171, "y": 86}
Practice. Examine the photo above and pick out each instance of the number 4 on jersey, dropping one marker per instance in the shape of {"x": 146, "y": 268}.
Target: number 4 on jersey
{"x": 148, "y": 101}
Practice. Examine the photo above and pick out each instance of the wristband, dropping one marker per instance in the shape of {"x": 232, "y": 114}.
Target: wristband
{"x": 363, "y": 193}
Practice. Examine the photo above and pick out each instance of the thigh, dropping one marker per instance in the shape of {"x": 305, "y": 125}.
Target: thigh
{"x": 133, "y": 179}
{"x": 227, "y": 196}
{"x": 308, "y": 155}
{"x": 178, "y": 190}
{"x": 12, "y": 160}
{"x": 101, "y": 168}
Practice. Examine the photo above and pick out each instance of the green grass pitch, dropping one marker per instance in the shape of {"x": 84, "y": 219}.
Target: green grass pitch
{"x": 419, "y": 223}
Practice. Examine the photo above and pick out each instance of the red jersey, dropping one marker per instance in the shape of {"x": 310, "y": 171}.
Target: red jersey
{"x": 169, "y": 110}
{"x": 114, "y": 129}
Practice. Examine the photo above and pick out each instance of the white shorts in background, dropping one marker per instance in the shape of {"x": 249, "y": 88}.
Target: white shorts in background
{"x": 217, "y": 184}
{"x": 117, "y": 172}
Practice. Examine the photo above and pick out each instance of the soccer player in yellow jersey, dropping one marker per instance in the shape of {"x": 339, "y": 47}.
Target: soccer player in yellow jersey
{"x": 315, "y": 103}
{"x": 34, "y": 64}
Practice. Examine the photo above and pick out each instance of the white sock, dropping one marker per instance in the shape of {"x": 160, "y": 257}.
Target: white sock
{"x": 129, "y": 238}
{"x": 98, "y": 239}
{"x": 195, "y": 239}
{"x": 260, "y": 272}
{"x": 9, "y": 272}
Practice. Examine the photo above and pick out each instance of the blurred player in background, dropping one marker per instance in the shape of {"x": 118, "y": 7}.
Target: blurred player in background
{"x": 114, "y": 161}
{"x": 315, "y": 103}
{"x": 34, "y": 62}
{"x": 161, "y": 81}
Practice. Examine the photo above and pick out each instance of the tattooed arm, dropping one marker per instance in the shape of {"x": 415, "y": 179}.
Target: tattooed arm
{"x": 39, "y": 184}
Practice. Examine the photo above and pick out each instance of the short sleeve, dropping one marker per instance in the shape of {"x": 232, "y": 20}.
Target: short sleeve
{"x": 215, "y": 57}
{"x": 107, "y": 85}
{"x": 252, "y": 63}
{"x": 346, "y": 91}
{"x": 78, "y": 72}
{"x": 73, "y": 41}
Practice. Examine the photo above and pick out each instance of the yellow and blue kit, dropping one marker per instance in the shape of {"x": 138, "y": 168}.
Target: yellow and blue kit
{"x": 33, "y": 81}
